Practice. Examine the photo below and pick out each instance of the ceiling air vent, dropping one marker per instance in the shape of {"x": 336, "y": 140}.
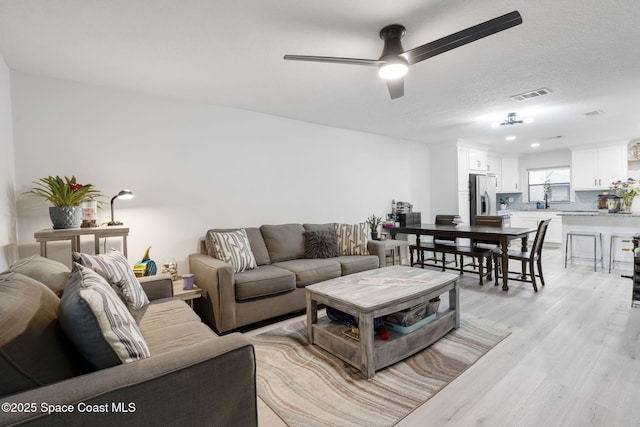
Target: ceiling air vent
{"x": 531, "y": 94}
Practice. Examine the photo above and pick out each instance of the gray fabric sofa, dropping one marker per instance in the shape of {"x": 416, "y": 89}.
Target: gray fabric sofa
{"x": 232, "y": 300}
{"x": 193, "y": 376}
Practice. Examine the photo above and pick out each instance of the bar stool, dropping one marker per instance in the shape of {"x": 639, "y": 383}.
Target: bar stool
{"x": 624, "y": 238}
{"x": 597, "y": 237}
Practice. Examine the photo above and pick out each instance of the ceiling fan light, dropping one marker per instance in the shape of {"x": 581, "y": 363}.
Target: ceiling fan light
{"x": 393, "y": 70}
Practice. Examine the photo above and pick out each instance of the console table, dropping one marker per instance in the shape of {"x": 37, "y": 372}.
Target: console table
{"x": 73, "y": 235}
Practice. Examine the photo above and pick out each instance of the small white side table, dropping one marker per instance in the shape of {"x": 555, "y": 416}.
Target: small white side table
{"x": 186, "y": 295}
{"x": 394, "y": 246}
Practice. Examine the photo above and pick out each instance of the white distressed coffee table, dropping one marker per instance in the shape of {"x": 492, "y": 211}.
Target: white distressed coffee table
{"x": 376, "y": 293}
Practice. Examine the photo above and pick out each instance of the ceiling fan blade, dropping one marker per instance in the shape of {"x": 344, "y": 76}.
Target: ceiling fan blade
{"x": 396, "y": 87}
{"x": 332, "y": 59}
{"x": 463, "y": 37}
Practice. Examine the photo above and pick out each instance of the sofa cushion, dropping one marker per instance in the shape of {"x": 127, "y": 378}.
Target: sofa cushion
{"x": 115, "y": 268}
{"x": 97, "y": 322}
{"x": 356, "y": 263}
{"x": 320, "y": 244}
{"x": 173, "y": 337}
{"x": 309, "y": 271}
{"x": 52, "y": 273}
{"x": 33, "y": 349}
{"x": 233, "y": 248}
{"x": 165, "y": 311}
{"x": 330, "y": 226}
{"x": 284, "y": 242}
{"x": 263, "y": 281}
{"x": 352, "y": 239}
{"x": 258, "y": 247}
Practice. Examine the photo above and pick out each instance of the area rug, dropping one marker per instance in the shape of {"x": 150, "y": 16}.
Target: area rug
{"x": 307, "y": 386}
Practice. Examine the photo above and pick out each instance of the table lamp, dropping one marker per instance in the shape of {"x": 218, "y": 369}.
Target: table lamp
{"x": 123, "y": 194}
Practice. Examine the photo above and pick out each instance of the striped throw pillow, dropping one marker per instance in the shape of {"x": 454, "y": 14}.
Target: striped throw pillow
{"x": 352, "y": 239}
{"x": 115, "y": 268}
{"x": 233, "y": 248}
{"x": 97, "y": 321}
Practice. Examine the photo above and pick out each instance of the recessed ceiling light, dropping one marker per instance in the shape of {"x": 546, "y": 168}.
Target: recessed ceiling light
{"x": 535, "y": 144}
{"x": 510, "y": 138}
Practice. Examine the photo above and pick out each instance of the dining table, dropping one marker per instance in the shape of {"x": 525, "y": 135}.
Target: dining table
{"x": 502, "y": 236}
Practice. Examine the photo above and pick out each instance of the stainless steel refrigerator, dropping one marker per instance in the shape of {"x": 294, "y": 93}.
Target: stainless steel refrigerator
{"x": 482, "y": 192}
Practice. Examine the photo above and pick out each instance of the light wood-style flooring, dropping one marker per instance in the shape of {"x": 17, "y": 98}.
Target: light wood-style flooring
{"x": 572, "y": 359}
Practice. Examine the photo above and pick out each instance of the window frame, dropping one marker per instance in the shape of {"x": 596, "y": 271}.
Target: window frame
{"x": 560, "y": 184}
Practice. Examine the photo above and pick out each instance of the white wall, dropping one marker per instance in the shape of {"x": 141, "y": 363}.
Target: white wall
{"x": 193, "y": 166}
{"x": 444, "y": 181}
{"x": 8, "y": 246}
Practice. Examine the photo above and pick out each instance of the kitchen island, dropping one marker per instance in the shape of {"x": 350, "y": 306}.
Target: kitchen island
{"x": 605, "y": 223}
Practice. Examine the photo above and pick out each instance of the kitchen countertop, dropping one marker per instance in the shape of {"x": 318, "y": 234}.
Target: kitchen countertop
{"x": 577, "y": 212}
{"x": 607, "y": 214}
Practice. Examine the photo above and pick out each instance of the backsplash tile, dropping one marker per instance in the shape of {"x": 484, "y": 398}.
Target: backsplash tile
{"x": 585, "y": 201}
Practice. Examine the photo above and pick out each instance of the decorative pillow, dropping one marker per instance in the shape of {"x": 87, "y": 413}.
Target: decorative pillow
{"x": 97, "y": 321}
{"x": 320, "y": 244}
{"x": 52, "y": 273}
{"x": 115, "y": 268}
{"x": 33, "y": 349}
{"x": 352, "y": 239}
{"x": 233, "y": 248}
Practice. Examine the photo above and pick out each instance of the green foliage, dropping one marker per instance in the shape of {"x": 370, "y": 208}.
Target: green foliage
{"x": 374, "y": 222}
{"x": 63, "y": 192}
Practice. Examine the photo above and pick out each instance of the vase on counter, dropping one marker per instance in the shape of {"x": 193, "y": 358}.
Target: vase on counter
{"x": 627, "y": 202}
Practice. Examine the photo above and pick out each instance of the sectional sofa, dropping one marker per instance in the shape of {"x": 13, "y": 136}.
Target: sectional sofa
{"x": 191, "y": 377}
{"x": 275, "y": 285}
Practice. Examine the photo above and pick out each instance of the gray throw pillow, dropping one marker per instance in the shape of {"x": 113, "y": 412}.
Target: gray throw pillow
{"x": 320, "y": 244}
{"x": 97, "y": 322}
{"x": 115, "y": 267}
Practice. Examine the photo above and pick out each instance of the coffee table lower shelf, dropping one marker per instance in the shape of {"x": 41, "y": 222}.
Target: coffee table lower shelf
{"x": 329, "y": 336}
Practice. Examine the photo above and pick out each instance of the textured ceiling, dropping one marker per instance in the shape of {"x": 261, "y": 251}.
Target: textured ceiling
{"x": 230, "y": 53}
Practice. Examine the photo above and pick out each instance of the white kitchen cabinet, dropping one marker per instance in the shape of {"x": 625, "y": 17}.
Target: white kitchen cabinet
{"x": 597, "y": 168}
{"x": 494, "y": 167}
{"x": 510, "y": 175}
{"x": 531, "y": 219}
{"x": 477, "y": 160}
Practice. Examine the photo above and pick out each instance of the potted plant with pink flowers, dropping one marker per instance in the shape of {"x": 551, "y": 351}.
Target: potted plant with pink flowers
{"x": 66, "y": 195}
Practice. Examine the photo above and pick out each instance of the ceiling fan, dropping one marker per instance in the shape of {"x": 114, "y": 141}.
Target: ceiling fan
{"x": 394, "y": 61}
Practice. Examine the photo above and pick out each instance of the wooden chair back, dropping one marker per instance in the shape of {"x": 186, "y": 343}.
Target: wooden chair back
{"x": 536, "y": 248}
{"x": 445, "y": 220}
{"x": 490, "y": 220}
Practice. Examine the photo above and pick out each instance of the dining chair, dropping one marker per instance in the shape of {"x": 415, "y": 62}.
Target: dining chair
{"x": 435, "y": 245}
{"x": 450, "y": 246}
{"x": 530, "y": 258}
{"x": 486, "y": 221}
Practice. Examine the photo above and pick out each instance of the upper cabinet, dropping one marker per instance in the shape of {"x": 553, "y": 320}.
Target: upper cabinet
{"x": 477, "y": 160}
{"x": 510, "y": 175}
{"x": 597, "y": 168}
